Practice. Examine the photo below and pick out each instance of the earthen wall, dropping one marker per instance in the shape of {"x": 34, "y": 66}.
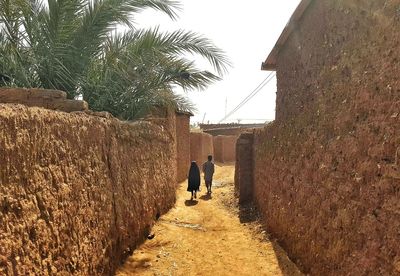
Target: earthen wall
{"x": 49, "y": 99}
{"x": 183, "y": 145}
{"x": 244, "y": 168}
{"x": 327, "y": 171}
{"x": 79, "y": 192}
{"x": 225, "y": 148}
{"x": 201, "y": 145}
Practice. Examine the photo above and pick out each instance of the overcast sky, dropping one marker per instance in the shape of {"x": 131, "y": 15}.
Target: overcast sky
{"x": 246, "y": 31}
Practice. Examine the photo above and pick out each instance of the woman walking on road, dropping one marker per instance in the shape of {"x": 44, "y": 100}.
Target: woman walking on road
{"x": 193, "y": 179}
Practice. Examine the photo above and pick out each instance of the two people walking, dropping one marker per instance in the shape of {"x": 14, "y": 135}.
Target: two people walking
{"x": 194, "y": 176}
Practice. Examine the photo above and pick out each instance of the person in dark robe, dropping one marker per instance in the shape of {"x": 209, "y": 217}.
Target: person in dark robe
{"x": 193, "y": 179}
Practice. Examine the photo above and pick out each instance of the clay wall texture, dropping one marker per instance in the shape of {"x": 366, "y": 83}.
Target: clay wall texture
{"x": 327, "y": 171}
{"x": 225, "y": 131}
{"x": 49, "y": 99}
{"x": 218, "y": 149}
{"x": 230, "y": 125}
{"x": 224, "y": 148}
{"x": 244, "y": 178}
{"x": 79, "y": 192}
{"x": 183, "y": 145}
{"x": 201, "y": 145}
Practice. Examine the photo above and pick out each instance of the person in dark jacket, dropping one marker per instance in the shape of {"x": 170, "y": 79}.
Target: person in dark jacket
{"x": 193, "y": 179}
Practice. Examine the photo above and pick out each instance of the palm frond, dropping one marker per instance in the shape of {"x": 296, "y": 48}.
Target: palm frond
{"x": 178, "y": 43}
{"x": 72, "y": 45}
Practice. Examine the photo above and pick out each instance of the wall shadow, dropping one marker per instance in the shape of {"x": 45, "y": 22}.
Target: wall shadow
{"x": 248, "y": 213}
{"x": 287, "y": 266}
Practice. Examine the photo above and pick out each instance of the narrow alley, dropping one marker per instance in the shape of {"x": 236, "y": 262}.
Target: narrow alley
{"x": 209, "y": 236}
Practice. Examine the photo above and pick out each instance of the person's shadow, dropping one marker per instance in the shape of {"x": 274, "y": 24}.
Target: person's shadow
{"x": 206, "y": 197}
{"x": 189, "y": 202}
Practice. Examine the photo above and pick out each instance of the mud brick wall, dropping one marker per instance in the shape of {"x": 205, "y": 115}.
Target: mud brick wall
{"x": 244, "y": 165}
{"x": 183, "y": 145}
{"x": 225, "y": 148}
{"x": 79, "y": 192}
{"x": 218, "y": 148}
{"x": 225, "y": 131}
{"x": 50, "y": 99}
{"x": 327, "y": 171}
{"x": 201, "y": 145}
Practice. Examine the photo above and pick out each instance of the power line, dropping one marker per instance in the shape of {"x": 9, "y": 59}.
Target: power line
{"x": 246, "y": 119}
{"x": 250, "y": 96}
{"x": 260, "y": 86}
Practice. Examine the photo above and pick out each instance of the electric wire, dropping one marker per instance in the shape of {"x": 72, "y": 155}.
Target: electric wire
{"x": 250, "y": 96}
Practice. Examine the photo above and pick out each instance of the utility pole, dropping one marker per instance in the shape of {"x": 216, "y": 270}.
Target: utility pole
{"x": 204, "y": 117}
{"x": 226, "y": 105}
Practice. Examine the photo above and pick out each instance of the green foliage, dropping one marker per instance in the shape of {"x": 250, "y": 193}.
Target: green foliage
{"x": 72, "y": 45}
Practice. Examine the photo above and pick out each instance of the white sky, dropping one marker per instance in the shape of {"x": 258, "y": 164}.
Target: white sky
{"x": 247, "y": 33}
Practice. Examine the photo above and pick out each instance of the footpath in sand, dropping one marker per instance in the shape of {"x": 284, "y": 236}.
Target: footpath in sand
{"x": 209, "y": 236}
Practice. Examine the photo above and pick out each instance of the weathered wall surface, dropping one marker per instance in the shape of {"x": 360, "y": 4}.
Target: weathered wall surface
{"x": 244, "y": 178}
{"x": 201, "y": 145}
{"x": 225, "y": 131}
{"x": 49, "y": 99}
{"x": 225, "y": 148}
{"x": 327, "y": 172}
{"x": 233, "y": 131}
{"x": 218, "y": 148}
{"x": 78, "y": 192}
{"x": 183, "y": 145}
{"x": 230, "y": 126}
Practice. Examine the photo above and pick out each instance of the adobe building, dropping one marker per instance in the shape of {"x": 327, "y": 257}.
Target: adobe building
{"x": 327, "y": 172}
{"x": 201, "y": 145}
{"x": 229, "y": 129}
{"x": 224, "y": 138}
{"x": 178, "y": 123}
{"x": 244, "y": 182}
{"x": 183, "y": 144}
{"x": 225, "y": 148}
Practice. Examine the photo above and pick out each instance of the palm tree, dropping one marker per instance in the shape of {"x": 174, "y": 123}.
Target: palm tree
{"x": 72, "y": 45}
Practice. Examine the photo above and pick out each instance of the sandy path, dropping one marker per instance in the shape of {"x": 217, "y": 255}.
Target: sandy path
{"x": 206, "y": 237}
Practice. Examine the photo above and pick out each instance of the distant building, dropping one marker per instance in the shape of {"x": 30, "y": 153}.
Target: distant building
{"x": 228, "y": 129}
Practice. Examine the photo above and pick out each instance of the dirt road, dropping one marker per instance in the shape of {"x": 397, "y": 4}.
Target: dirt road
{"x": 207, "y": 237}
